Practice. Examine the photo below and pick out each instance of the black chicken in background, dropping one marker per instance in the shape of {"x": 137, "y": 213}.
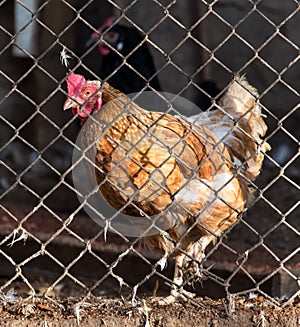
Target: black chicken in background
{"x": 126, "y": 41}
{"x": 209, "y": 90}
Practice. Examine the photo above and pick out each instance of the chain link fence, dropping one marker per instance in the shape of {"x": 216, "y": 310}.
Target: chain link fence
{"x": 48, "y": 245}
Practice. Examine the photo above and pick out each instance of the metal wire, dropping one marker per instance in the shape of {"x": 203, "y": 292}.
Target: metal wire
{"x": 239, "y": 264}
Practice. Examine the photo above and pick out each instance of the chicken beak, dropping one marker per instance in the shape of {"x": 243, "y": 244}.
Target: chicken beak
{"x": 69, "y": 103}
{"x": 93, "y": 39}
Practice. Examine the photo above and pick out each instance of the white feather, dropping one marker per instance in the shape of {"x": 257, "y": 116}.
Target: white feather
{"x": 64, "y": 57}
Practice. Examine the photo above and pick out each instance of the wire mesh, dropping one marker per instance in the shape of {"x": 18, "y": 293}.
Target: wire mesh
{"x": 42, "y": 222}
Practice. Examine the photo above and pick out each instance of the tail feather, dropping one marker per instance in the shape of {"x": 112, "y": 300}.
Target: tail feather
{"x": 239, "y": 124}
{"x": 240, "y": 101}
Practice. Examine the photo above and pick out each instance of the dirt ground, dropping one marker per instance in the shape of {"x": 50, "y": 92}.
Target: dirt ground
{"x": 147, "y": 313}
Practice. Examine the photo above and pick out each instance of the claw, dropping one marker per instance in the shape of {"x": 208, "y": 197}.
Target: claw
{"x": 175, "y": 297}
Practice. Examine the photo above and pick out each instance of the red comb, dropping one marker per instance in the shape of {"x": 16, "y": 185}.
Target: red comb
{"x": 74, "y": 83}
{"x": 108, "y": 22}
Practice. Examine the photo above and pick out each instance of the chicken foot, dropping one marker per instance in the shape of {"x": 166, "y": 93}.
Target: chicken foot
{"x": 177, "y": 291}
{"x": 195, "y": 255}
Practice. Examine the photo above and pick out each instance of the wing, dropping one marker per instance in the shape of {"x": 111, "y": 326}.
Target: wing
{"x": 148, "y": 159}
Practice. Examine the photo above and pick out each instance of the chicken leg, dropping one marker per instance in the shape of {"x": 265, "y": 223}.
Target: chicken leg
{"x": 177, "y": 291}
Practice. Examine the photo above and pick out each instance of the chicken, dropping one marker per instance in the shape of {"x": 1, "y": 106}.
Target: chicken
{"x": 190, "y": 175}
{"x": 124, "y": 42}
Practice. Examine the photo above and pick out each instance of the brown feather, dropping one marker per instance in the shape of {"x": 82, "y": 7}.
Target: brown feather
{"x": 147, "y": 162}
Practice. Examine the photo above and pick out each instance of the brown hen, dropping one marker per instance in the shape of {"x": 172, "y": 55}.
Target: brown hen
{"x": 190, "y": 176}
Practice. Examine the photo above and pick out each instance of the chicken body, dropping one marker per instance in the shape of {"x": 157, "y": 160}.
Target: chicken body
{"x": 192, "y": 173}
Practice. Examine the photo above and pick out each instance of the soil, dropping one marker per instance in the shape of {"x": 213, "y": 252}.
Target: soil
{"x": 147, "y": 313}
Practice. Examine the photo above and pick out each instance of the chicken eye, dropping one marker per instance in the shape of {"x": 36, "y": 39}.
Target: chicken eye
{"x": 87, "y": 93}
{"x": 110, "y": 36}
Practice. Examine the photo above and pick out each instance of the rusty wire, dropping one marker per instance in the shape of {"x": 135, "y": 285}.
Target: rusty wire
{"x": 21, "y": 233}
